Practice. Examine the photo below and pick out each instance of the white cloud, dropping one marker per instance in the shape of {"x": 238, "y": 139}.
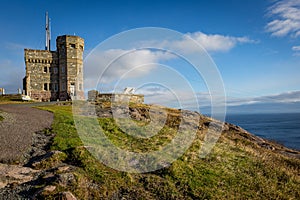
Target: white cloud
{"x": 215, "y": 42}
{"x": 286, "y": 18}
{"x": 286, "y": 97}
{"x": 181, "y": 98}
{"x": 210, "y": 42}
{"x": 296, "y": 49}
{"x": 115, "y": 63}
{"x": 176, "y": 98}
{"x": 204, "y": 98}
{"x": 122, "y": 61}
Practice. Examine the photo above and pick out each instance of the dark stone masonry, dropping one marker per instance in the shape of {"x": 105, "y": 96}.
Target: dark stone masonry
{"x": 55, "y": 75}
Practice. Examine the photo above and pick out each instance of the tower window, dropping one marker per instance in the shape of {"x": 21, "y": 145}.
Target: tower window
{"x": 55, "y": 87}
{"x": 72, "y": 46}
{"x": 45, "y": 86}
{"x": 55, "y": 71}
{"x": 63, "y": 70}
{"x": 81, "y": 47}
{"x": 63, "y": 87}
{"x": 62, "y": 47}
{"x": 45, "y": 69}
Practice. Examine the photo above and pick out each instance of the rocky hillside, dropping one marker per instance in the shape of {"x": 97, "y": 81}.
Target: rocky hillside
{"x": 240, "y": 166}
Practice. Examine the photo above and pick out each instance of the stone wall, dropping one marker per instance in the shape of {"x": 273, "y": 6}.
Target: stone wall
{"x": 94, "y": 95}
{"x": 41, "y": 74}
{"x": 134, "y": 98}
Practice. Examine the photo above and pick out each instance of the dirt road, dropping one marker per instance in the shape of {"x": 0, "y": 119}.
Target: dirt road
{"x": 17, "y": 128}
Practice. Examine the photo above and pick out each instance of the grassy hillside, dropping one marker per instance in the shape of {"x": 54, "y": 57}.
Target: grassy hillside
{"x": 237, "y": 168}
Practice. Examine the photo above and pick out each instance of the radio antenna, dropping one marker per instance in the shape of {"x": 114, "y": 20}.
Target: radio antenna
{"x": 48, "y": 33}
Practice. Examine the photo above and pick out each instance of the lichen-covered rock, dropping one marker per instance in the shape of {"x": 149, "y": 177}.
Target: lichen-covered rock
{"x": 66, "y": 179}
{"x": 67, "y": 196}
{"x": 48, "y": 189}
{"x": 10, "y": 174}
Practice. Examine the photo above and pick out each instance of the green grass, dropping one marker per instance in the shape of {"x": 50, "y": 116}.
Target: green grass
{"x": 235, "y": 169}
{"x": 14, "y": 97}
{"x": 11, "y": 99}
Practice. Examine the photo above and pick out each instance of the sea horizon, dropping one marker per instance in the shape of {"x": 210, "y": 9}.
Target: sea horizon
{"x": 282, "y": 128}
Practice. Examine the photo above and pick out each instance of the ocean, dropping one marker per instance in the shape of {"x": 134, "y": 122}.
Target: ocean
{"x": 282, "y": 128}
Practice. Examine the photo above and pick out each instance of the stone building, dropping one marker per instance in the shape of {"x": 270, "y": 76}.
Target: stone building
{"x": 95, "y": 96}
{"x": 55, "y": 75}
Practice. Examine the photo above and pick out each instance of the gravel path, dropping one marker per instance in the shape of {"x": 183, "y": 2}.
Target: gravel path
{"x": 17, "y": 129}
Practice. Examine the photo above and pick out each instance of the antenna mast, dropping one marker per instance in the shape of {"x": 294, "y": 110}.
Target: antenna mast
{"x": 48, "y": 36}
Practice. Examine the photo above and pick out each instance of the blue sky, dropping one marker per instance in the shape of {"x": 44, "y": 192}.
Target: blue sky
{"x": 255, "y": 44}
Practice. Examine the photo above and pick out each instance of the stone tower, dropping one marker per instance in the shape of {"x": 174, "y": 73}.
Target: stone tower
{"x": 70, "y": 57}
{"x": 55, "y": 75}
